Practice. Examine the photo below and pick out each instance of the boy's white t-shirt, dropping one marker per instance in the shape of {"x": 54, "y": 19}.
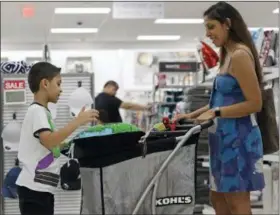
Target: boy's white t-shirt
{"x": 31, "y": 151}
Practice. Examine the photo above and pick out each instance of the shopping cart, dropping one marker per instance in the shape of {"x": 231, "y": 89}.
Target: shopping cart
{"x": 120, "y": 177}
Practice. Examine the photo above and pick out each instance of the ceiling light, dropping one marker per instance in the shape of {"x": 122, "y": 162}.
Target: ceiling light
{"x": 264, "y": 28}
{"x": 275, "y": 10}
{"x": 179, "y": 21}
{"x": 86, "y": 10}
{"x": 158, "y": 37}
{"x": 73, "y": 30}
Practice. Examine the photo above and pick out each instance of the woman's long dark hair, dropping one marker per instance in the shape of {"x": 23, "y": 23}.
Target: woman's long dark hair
{"x": 238, "y": 31}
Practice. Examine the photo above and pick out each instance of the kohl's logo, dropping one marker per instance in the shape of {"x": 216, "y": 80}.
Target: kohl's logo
{"x": 174, "y": 200}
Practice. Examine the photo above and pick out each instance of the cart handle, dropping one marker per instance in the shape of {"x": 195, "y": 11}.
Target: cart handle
{"x": 206, "y": 124}
{"x": 196, "y": 129}
{"x": 203, "y": 125}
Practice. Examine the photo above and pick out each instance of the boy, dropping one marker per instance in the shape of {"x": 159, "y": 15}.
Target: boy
{"x": 39, "y": 147}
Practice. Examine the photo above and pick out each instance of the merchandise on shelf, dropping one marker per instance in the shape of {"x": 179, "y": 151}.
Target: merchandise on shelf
{"x": 138, "y": 118}
{"x": 15, "y": 67}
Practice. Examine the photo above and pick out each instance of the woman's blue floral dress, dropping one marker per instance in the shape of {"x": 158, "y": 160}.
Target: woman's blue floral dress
{"x": 236, "y": 149}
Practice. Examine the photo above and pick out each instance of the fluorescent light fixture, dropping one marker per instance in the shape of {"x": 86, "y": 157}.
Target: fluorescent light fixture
{"x": 73, "y": 30}
{"x": 275, "y": 10}
{"x": 82, "y": 10}
{"x": 158, "y": 37}
{"x": 179, "y": 21}
{"x": 264, "y": 28}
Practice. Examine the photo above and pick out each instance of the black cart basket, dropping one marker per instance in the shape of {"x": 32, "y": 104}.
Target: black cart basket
{"x": 134, "y": 173}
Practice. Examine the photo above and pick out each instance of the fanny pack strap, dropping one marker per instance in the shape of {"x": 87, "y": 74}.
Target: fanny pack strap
{"x": 55, "y": 152}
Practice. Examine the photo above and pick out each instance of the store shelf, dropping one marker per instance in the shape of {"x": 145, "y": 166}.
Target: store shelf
{"x": 166, "y": 103}
{"x": 175, "y": 86}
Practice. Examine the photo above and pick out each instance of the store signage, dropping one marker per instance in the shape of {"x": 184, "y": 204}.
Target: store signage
{"x": 14, "y": 91}
{"x": 138, "y": 10}
{"x": 178, "y": 66}
{"x": 174, "y": 200}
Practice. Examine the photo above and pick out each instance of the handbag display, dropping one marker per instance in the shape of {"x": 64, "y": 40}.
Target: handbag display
{"x": 266, "y": 119}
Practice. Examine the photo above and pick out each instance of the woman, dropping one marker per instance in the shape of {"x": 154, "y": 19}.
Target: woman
{"x": 235, "y": 140}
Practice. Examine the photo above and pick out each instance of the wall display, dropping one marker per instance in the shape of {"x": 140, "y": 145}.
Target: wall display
{"x": 11, "y": 135}
{"x": 258, "y": 36}
{"x": 4, "y": 59}
{"x": 33, "y": 60}
{"x": 78, "y": 64}
{"x": 138, "y": 118}
{"x": 14, "y": 67}
{"x": 147, "y": 63}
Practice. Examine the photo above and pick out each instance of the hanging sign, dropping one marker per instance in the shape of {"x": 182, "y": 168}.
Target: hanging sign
{"x": 14, "y": 91}
{"x": 138, "y": 10}
{"x": 178, "y": 66}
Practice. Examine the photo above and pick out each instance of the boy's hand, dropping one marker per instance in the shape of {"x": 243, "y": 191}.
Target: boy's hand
{"x": 87, "y": 116}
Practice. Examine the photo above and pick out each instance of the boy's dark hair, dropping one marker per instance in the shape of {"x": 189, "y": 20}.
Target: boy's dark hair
{"x": 111, "y": 83}
{"x": 40, "y": 71}
{"x": 103, "y": 116}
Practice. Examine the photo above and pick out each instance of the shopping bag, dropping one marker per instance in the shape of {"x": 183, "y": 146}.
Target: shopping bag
{"x": 267, "y": 123}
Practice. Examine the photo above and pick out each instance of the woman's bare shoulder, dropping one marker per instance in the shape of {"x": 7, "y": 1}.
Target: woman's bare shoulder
{"x": 242, "y": 49}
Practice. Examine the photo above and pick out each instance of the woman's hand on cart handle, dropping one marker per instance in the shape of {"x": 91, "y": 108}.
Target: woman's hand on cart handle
{"x": 208, "y": 115}
{"x": 181, "y": 116}
{"x": 206, "y": 124}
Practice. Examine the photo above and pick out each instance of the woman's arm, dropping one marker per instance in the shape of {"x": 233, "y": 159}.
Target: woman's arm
{"x": 192, "y": 115}
{"x": 199, "y": 111}
{"x": 243, "y": 70}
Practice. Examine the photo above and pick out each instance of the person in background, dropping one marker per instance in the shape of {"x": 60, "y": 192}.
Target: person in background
{"x": 40, "y": 142}
{"x": 235, "y": 142}
{"x": 103, "y": 117}
{"x": 108, "y": 102}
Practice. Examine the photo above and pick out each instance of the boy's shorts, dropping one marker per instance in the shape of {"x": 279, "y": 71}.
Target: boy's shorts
{"x": 35, "y": 203}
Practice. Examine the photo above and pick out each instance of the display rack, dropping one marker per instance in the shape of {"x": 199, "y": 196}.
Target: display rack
{"x": 66, "y": 202}
{"x": 32, "y": 60}
{"x": 178, "y": 76}
{"x": 79, "y": 64}
{"x": 4, "y": 59}
{"x": 138, "y": 118}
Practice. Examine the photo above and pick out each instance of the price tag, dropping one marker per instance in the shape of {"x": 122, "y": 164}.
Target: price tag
{"x": 14, "y": 91}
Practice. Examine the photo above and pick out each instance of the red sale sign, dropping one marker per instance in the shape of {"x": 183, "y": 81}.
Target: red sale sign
{"x": 14, "y": 84}
{"x": 14, "y": 91}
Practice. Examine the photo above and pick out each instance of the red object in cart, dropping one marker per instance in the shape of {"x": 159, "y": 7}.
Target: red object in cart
{"x": 168, "y": 124}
